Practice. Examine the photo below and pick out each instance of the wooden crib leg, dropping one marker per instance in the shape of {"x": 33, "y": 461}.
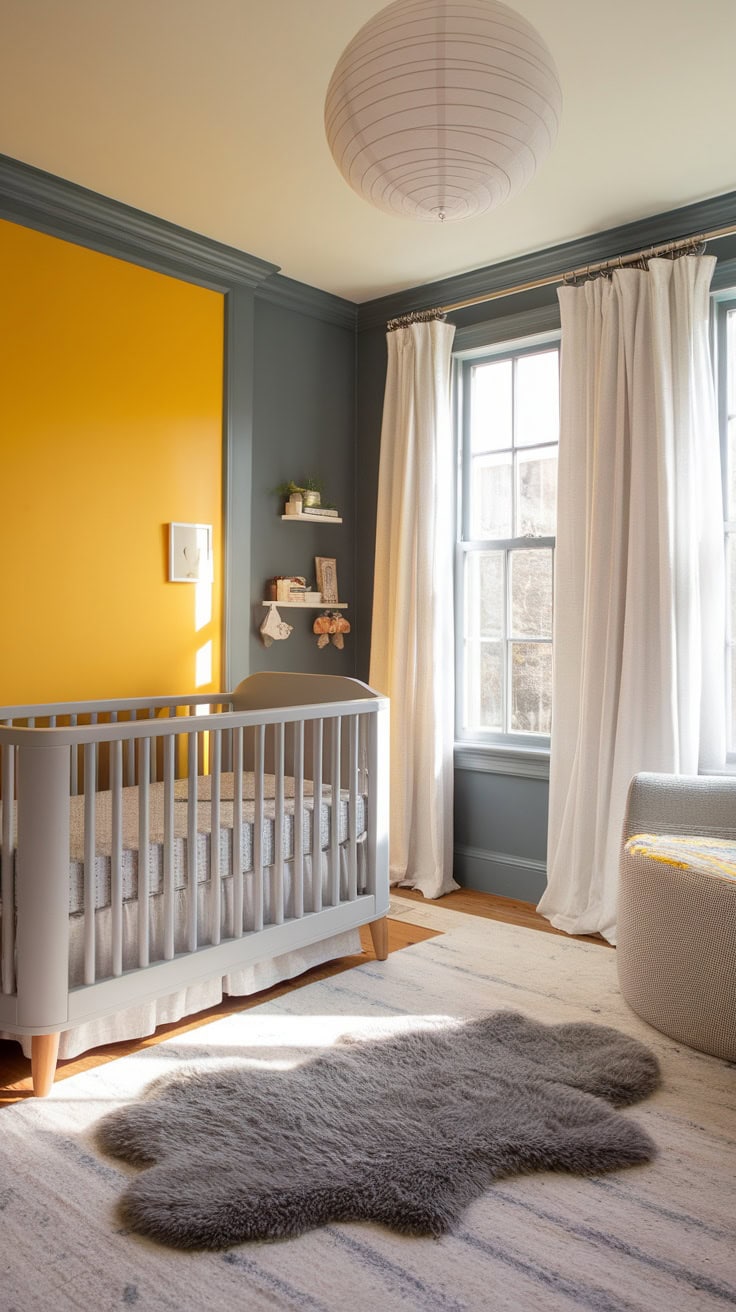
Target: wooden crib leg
{"x": 44, "y": 1051}
{"x": 379, "y": 935}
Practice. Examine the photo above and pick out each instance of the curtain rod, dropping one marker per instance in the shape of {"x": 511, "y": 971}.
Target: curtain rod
{"x": 587, "y": 269}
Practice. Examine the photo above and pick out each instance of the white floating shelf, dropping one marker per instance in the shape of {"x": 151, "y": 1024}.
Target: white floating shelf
{"x": 308, "y": 605}
{"x": 314, "y": 519}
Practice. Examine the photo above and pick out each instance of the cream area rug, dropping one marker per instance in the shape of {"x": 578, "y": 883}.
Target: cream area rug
{"x": 655, "y": 1238}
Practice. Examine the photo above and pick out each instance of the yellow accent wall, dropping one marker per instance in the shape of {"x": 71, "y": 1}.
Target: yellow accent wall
{"x": 110, "y": 428}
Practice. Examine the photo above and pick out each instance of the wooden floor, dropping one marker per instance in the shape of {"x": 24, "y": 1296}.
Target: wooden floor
{"x": 15, "y": 1079}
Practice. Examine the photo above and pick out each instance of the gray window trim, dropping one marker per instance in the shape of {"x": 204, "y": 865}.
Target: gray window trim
{"x": 502, "y": 758}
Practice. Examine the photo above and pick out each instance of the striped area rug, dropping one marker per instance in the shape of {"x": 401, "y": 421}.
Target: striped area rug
{"x": 659, "y": 1238}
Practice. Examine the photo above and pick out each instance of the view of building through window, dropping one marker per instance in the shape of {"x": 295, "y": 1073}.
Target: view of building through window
{"x": 506, "y": 543}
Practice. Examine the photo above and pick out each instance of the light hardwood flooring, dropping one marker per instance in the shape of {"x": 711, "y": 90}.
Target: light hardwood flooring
{"x": 15, "y": 1076}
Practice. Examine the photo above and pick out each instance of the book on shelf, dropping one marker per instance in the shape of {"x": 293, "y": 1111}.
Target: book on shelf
{"x": 319, "y": 512}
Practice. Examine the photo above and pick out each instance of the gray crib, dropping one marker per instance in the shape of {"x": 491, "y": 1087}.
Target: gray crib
{"x": 149, "y": 844}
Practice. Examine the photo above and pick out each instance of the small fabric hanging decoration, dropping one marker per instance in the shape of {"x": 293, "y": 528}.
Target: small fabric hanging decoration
{"x": 330, "y": 627}
{"x": 342, "y": 626}
{"x": 323, "y": 627}
{"x": 273, "y": 628}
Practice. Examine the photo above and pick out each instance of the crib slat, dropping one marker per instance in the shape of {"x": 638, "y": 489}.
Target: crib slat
{"x": 7, "y": 880}
{"x": 74, "y": 780}
{"x": 168, "y": 748}
{"x": 144, "y": 852}
{"x": 298, "y": 845}
{"x": 258, "y": 755}
{"x": 192, "y": 811}
{"x": 215, "y": 880}
{"x": 154, "y": 753}
{"x": 90, "y": 851}
{"x": 116, "y": 855}
{"x": 317, "y": 738}
{"x": 353, "y": 807}
{"x": 227, "y": 747}
{"x": 130, "y": 757}
{"x": 237, "y": 749}
{"x": 334, "y": 855}
{"x": 278, "y": 825}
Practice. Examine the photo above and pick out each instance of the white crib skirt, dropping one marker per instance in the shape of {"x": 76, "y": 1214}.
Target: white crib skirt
{"x": 143, "y": 1019}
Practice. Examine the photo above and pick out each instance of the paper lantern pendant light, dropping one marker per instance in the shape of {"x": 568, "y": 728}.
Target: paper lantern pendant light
{"x": 442, "y": 109}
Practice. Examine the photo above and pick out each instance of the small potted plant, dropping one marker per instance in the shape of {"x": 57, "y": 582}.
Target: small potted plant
{"x": 309, "y": 489}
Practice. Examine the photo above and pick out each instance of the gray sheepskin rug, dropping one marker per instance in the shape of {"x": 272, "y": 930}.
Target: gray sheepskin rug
{"x": 406, "y": 1130}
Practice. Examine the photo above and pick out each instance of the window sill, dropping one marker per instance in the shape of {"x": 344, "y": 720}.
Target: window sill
{"x": 522, "y": 762}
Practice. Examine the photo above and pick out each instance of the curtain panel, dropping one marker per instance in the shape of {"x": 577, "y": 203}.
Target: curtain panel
{"x": 412, "y": 642}
{"x": 639, "y": 592}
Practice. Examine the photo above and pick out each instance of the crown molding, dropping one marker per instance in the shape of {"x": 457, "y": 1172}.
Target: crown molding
{"x": 304, "y": 299}
{"x": 686, "y": 221}
{"x": 60, "y": 208}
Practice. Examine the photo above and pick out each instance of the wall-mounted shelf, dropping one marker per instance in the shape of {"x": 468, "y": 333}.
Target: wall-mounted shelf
{"x": 313, "y": 519}
{"x": 308, "y": 605}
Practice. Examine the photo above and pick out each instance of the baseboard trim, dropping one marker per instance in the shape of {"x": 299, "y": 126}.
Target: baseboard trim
{"x": 500, "y": 872}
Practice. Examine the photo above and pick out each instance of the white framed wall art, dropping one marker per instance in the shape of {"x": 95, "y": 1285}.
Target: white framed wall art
{"x": 190, "y": 553}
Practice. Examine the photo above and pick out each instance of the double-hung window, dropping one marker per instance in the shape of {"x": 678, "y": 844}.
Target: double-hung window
{"x": 508, "y": 420}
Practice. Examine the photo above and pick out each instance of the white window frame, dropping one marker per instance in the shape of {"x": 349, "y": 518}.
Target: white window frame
{"x": 508, "y": 753}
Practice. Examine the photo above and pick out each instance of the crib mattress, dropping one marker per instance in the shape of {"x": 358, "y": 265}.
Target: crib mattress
{"x": 130, "y": 803}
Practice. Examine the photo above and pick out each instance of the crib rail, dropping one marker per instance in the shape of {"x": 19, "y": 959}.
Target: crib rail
{"x": 71, "y": 715}
{"x": 157, "y": 787}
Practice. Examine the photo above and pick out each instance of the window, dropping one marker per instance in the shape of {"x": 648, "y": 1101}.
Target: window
{"x": 509, "y": 427}
{"x": 726, "y": 356}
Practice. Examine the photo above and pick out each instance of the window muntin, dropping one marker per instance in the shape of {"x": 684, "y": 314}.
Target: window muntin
{"x": 510, "y": 433}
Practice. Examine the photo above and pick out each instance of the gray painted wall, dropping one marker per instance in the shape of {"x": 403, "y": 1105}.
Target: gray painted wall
{"x": 303, "y": 426}
{"x": 501, "y": 833}
{"x": 370, "y": 383}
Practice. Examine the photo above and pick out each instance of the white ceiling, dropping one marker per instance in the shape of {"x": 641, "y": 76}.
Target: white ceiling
{"x": 209, "y": 114}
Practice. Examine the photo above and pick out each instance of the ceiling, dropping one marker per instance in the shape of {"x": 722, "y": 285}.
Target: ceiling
{"x": 209, "y": 113}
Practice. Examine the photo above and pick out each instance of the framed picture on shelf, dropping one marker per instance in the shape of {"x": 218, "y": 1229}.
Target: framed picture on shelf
{"x": 326, "y": 571}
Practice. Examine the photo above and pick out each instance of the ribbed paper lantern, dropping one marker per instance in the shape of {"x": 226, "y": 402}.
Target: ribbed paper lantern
{"x": 441, "y": 109}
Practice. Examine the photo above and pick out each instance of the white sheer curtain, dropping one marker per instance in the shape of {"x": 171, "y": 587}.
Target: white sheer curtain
{"x": 638, "y": 632}
{"x": 412, "y": 642}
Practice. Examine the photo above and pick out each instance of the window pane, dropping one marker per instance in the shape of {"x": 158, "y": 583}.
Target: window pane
{"x": 731, "y": 468}
{"x": 536, "y": 492}
{"x": 484, "y": 594}
{"x": 531, "y": 687}
{"x": 490, "y": 406}
{"x": 490, "y": 497}
{"x": 491, "y": 594}
{"x": 731, "y": 360}
{"x": 732, "y": 726}
{"x": 491, "y": 686}
{"x": 531, "y": 593}
{"x": 537, "y": 399}
{"x": 731, "y": 585}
